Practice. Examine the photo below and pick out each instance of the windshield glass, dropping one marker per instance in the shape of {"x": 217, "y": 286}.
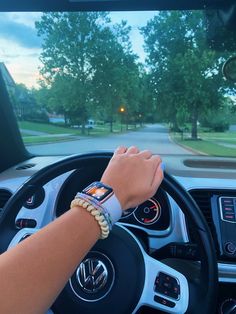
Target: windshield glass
{"x": 91, "y": 81}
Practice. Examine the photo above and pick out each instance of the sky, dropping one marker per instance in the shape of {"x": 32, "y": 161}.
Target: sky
{"x": 20, "y": 47}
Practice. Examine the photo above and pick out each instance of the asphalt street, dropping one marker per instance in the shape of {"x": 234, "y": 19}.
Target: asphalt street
{"x": 153, "y": 137}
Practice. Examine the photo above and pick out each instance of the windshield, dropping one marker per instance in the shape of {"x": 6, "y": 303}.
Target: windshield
{"x": 91, "y": 81}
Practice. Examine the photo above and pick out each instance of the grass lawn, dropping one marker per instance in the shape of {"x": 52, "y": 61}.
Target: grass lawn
{"x": 47, "y": 128}
{"x": 220, "y": 135}
{"x": 55, "y": 131}
{"x": 211, "y": 143}
{"x": 226, "y": 137}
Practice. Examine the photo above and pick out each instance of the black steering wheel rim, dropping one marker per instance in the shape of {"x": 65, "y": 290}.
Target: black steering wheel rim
{"x": 209, "y": 272}
{"x": 207, "y": 295}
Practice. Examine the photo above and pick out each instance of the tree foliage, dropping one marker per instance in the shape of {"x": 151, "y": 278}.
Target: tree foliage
{"x": 185, "y": 74}
{"x": 88, "y": 65}
{"x": 26, "y": 106}
{"x": 90, "y": 70}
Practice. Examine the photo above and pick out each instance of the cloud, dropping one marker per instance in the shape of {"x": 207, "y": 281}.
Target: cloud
{"x": 20, "y": 33}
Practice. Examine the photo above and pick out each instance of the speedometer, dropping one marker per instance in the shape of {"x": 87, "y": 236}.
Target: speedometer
{"x": 148, "y": 212}
{"x": 126, "y": 213}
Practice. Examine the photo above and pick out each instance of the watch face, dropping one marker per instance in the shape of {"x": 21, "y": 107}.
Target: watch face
{"x": 98, "y": 191}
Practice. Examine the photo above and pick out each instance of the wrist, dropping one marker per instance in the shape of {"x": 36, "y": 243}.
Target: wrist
{"x": 79, "y": 214}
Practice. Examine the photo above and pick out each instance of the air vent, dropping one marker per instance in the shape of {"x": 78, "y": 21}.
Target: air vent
{"x": 26, "y": 166}
{"x": 4, "y": 197}
{"x": 203, "y": 200}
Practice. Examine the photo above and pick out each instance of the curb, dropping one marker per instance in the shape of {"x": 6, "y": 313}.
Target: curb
{"x": 194, "y": 151}
{"x": 50, "y": 142}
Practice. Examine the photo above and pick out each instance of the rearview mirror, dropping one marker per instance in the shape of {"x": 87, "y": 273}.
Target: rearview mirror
{"x": 229, "y": 69}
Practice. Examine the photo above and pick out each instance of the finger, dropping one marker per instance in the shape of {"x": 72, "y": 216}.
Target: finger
{"x": 146, "y": 154}
{"x": 157, "y": 178}
{"x": 156, "y": 162}
{"x": 120, "y": 150}
{"x": 132, "y": 150}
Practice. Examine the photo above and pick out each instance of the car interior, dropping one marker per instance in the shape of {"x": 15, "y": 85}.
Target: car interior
{"x": 176, "y": 252}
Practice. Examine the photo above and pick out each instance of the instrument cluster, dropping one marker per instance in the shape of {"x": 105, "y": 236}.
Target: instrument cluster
{"x": 154, "y": 213}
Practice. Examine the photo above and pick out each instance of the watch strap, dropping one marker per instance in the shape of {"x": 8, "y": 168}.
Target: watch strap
{"x": 113, "y": 207}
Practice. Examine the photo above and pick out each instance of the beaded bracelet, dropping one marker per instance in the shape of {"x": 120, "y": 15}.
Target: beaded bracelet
{"x": 96, "y": 212}
{"x": 95, "y": 203}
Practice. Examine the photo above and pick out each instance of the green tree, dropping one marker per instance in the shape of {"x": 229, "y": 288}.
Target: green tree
{"x": 89, "y": 65}
{"x": 147, "y": 111}
{"x": 184, "y": 72}
{"x": 26, "y": 106}
{"x": 68, "y": 48}
{"x": 116, "y": 74}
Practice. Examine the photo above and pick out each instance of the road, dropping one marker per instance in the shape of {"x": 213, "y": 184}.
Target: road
{"x": 154, "y": 137}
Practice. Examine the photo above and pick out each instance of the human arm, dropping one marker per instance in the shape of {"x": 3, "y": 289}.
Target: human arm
{"x": 34, "y": 272}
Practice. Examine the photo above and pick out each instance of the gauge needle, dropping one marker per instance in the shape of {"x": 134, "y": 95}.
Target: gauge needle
{"x": 152, "y": 207}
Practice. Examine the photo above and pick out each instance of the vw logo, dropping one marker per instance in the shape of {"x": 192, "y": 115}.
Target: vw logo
{"x": 92, "y": 275}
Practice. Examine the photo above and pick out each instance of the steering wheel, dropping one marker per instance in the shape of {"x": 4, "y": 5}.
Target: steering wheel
{"x": 118, "y": 276}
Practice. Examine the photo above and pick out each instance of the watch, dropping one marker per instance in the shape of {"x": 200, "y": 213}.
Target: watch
{"x": 105, "y": 195}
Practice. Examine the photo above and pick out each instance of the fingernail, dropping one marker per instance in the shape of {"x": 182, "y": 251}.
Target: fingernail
{"x": 163, "y": 166}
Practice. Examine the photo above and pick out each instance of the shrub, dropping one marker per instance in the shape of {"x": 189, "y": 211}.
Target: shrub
{"x": 37, "y": 116}
{"x": 216, "y": 121}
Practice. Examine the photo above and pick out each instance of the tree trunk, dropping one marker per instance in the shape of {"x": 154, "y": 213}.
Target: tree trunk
{"x": 111, "y": 126}
{"x": 194, "y": 121}
{"x": 175, "y": 124}
{"x": 66, "y": 119}
{"x": 83, "y": 128}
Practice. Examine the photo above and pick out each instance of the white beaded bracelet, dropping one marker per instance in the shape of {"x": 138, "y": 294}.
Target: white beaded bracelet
{"x": 96, "y": 213}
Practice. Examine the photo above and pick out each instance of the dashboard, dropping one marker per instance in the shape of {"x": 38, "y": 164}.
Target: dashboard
{"x": 159, "y": 219}
{"x": 152, "y": 216}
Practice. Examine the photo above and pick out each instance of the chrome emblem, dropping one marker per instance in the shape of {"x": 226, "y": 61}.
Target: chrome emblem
{"x": 92, "y": 275}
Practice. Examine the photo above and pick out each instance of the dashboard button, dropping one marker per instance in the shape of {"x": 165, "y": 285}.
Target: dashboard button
{"x": 35, "y": 200}
{"x": 227, "y": 201}
{"x": 164, "y": 301}
{"x": 167, "y": 285}
{"x": 230, "y": 248}
{"x": 229, "y": 217}
{"x": 26, "y": 223}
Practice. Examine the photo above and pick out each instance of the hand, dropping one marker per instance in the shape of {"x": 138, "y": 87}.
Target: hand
{"x": 134, "y": 175}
